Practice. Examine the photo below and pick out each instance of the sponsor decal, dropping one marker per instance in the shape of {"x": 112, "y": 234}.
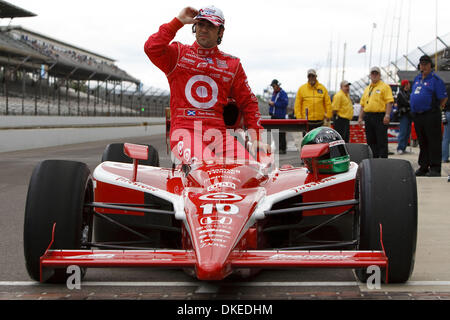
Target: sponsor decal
{"x": 221, "y": 197}
{"x": 211, "y": 244}
{"x": 202, "y": 65}
{"x": 221, "y": 70}
{"x": 340, "y": 161}
{"x": 213, "y": 230}
{"x": 187, "y": 60}
{"x": 319, "y": 91}
{"x": 224, "y": 171}
{"x": 200, "y": 113}
{"x": 222, "y": 64}
{"x": 201, "y": 91}
{"x": 180, "y": 148}
{"x": 137, "y": 184}
{"x": 221, "y": 185}
{"x": 336, "y": 143}
{"x": 187, "y": 155}
{"x": 92, "y": 256}
{"x": 309, "y": 257}
{"x": 192, "y": 55}
{"x": 213, "y": 178}
{"x": 216, "y": 220}
{"x": 313, "y": 184}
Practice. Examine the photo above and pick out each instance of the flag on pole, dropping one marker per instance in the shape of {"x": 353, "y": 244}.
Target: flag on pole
{"x": 363, "y": 49}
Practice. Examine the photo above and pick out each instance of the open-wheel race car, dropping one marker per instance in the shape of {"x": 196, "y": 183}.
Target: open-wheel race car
{"x": 214, "y": 218}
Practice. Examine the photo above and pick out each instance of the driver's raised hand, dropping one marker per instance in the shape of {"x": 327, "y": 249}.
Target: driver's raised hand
{"x": 187, "y": 15}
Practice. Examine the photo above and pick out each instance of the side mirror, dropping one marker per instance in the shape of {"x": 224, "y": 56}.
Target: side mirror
{"x": 135, "y": 152}
{"x": 311, "y": 153}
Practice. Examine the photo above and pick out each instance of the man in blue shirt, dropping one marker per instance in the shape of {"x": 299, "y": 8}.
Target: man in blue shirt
{"x": 428, "y": 97}
{"x": 277, "y": 109}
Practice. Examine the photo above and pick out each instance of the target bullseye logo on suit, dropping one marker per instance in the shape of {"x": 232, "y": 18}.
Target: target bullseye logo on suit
{"x": 201, "y": 91}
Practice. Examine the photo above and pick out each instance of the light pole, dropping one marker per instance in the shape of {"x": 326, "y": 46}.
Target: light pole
{"x": 374, "y": 26}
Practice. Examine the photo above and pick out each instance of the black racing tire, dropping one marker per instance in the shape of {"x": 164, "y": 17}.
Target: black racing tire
{"x": 358, "y": 152}
{"x": 387, "y": 193}
{"x": 105, "y": 231}
{"x": 57, "y": 192}
{"x": 114, "y": 152}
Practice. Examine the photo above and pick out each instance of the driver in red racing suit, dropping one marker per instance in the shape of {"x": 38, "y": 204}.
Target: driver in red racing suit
{"x": 201, "y": 79}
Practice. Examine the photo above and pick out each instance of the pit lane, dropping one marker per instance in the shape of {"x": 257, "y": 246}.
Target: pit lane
{"x": 430, "y": 280}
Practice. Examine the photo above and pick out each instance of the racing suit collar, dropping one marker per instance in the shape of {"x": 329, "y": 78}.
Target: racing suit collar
{"x": 203, "y": 52}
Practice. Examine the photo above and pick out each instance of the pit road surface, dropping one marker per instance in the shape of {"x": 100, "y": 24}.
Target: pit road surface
{"x": 430, "y": 280}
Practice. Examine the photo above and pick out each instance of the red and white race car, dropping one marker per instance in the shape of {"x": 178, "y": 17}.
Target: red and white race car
{"x": 214, "y": 218}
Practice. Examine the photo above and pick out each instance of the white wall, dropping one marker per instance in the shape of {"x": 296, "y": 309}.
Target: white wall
{"x": 29, "y": 132}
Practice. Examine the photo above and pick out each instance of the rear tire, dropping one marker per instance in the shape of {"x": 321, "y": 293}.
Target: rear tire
{"x": 358, "y": 152}
{"x": 105, "y": 231}
{"x": 387, "y": 193}
{"x": 57, "y": 193}
{"x": 114, "y": 152}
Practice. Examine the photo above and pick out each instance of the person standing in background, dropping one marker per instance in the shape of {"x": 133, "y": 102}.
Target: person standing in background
{"x": 312, "y": 102}
{"x": 428, "y": 98}
{"x": 446, "y": 137}
{"x": 376, "y": 107}
{"x": 343, "y": 111}
{"x": 404, "y": 112}
{"x": 277, "y": 109}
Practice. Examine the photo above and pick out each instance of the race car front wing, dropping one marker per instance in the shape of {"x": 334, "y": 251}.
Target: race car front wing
{"x": 237, "y": 259}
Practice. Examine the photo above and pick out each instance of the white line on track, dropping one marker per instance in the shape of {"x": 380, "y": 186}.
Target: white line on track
{"x": 237, "y": 284}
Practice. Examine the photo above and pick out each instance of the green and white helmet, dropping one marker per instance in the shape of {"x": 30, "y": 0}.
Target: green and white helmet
{"x": 337, "y": 160}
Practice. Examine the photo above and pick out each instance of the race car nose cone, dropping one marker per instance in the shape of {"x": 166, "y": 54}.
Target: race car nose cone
{"x": 213, "y": 271}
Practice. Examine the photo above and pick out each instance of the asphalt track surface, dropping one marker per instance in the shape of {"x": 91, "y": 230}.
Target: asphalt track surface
{"x": 430, "y": 280}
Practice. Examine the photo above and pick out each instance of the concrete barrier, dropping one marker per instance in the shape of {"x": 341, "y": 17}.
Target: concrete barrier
{"x": 30, "y": 132}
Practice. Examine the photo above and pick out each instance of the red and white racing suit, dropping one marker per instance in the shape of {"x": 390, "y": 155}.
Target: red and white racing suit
{"x": 201, "y": 81}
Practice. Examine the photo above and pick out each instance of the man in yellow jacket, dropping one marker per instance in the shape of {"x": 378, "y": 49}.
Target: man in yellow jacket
{"x": 376, "y": 107}
{"x": 343, "y": 111}
{"x": 313, "y": 102}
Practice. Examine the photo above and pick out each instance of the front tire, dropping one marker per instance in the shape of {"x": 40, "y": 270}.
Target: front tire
{"x": 388, "y": 196}
{"x": 57, "y": 193}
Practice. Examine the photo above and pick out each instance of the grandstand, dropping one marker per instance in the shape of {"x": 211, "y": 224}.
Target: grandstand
{"x": 44, "y": 76}
{"x": 8, "y": 10}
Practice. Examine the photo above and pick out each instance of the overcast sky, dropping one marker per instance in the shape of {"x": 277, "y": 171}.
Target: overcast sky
{"x": 279, "y": 39}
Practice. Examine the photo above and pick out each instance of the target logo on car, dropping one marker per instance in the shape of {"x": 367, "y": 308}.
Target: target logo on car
{"x": 222, "y": 196}
{"x": 201, "y": 91}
